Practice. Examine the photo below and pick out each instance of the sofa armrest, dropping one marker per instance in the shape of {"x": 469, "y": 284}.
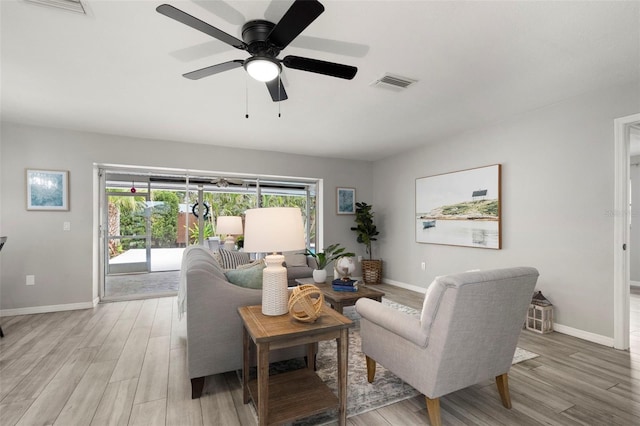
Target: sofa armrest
{"x": 311, "y": 262}
{"x": 212, "y": 317}
{"x": 400, "y": 323}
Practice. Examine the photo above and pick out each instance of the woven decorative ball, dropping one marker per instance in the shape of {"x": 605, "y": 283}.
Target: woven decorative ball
{"x": 305, "y": 303}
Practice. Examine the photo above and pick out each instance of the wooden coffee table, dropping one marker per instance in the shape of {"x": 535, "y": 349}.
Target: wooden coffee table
{"x": 340, "y": 299}
{"x": 288, "y": 396}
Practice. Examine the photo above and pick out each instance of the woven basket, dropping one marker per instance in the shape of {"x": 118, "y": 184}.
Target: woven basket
{"x": 372, "y": 271}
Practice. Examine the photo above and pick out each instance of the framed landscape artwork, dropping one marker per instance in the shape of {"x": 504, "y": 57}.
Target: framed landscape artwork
{"x": 47, "y": 190}
{"x": 460, "y": 208}
{"x": 346, "y": 200}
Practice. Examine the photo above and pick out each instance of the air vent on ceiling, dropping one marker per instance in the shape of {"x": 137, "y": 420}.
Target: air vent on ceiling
{"x": 394, "y": 82}
{"x": 70, "y": 5}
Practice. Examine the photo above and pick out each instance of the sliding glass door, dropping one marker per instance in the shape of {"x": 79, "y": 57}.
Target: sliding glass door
{"x": 148, "y": 218}
{"x": 128, "y": 236}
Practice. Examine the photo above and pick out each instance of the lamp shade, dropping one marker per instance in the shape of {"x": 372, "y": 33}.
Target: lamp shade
{"x": 273, "y": 229}
{"x": 229, "y": 225}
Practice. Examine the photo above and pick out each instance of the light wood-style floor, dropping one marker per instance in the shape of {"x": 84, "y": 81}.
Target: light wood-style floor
{"x": 124, "y": 363}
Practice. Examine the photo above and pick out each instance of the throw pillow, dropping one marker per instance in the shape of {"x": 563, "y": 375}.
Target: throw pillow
{"x": 217, "y": 257}
{"x": 247, "y": 277}
{"x": 295, "y": 258}
{"x": 250, "y": 265}
{"x": 231, "y": 259}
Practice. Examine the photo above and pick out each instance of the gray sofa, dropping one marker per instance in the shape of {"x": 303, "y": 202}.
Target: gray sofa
{"x": 214, "y": 328}
{"x": 298, "y": 270}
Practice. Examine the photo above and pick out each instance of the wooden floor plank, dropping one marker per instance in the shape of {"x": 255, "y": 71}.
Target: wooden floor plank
{"x": 97, "y": 339}
{"x": 542, "y": 395}
{"x": 149, "y": 413}
{"x": 370, "y": 418}
{"x": 11, "y": 412}
{"x": 181, "y": 409}
{"x": 46, "y": 408}
{"x": 45, "y": 370}
{"x": 217, "y": 404}
{"x": 153, "y": 380}
{"x": 113, "y": 344}
{"x": 83, "y": 402}
{"x": 132, "y": 357}
{"x": 164, "y": 314}
{"x": 27, "y": 341}
{"x": 246, "y": 414}
{"x": 403, "y": 413}
{"x": 116, "y": 403}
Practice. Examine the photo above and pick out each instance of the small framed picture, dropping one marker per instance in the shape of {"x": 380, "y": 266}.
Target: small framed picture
{"x": 47, "y": 190}
{"x": 346, "y": 200}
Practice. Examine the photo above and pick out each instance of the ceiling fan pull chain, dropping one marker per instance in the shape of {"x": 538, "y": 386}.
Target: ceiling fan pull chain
{"x": 246, "y": 98}
{"x": 279, "y": 95}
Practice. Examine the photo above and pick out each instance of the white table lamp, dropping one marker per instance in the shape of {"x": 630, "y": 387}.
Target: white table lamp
{"x": 229, "y": 226}
{"x": 271, "y": 230}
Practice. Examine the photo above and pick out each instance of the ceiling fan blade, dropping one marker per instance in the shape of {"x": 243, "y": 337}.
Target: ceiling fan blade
{"x": 223, "y": 10}
{"x": 213, "y": 69}
{"x": 276, "y": 90}
{"x": 199, "y": 25}
{"x": 321, "y": 67}
{"x": 299, "y": 16}
{"x": 331, "y": 46}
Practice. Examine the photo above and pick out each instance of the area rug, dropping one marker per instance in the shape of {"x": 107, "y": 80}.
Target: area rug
{"x": 362, "y": 396}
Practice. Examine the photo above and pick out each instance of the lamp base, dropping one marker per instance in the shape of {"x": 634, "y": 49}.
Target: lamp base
{"x": 229, "y": 243}
{"x": 275, "y": 293}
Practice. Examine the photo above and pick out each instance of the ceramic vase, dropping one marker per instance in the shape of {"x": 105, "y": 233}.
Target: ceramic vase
{"x": 319, "y": 275}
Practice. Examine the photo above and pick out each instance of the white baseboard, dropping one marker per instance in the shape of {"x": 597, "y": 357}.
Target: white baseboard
{"x": 48, "y": 308}
{"x": 584, "y": 335}
{"x": 404, "y": 285}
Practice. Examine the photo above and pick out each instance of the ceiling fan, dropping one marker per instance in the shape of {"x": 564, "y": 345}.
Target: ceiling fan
{"x": 264, "y": 40}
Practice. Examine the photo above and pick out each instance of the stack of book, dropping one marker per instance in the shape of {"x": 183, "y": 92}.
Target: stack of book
{"x": 344, "y": 285}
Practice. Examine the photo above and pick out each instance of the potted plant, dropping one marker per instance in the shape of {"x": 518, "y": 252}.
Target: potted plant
{"x": 367, "y": 231}
{"x": 324, "y": 258}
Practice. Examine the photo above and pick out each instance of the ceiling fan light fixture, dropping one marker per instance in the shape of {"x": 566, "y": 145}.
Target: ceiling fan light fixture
{"x": 262, "y": 68}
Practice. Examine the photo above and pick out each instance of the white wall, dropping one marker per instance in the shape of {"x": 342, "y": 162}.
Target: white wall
{"x": 62, "y": 261}
{"x": 557, "y": 198}
{"x": 634, "y": 254}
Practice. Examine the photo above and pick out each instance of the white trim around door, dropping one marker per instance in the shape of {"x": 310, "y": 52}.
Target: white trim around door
{"x": 621, "y": 216}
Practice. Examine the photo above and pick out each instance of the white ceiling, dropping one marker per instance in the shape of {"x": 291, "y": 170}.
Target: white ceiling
{"x": 118, "y": 70}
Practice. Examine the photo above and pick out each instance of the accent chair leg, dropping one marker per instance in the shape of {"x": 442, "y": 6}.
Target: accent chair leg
{"x": 502, "y": 381}
{"x": 371, "y": 369}
{"x": 433, "y": 408}
{"x": 197, "y": 385}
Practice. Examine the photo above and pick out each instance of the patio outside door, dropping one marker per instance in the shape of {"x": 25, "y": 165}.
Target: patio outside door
{"x": 128, "y": 236}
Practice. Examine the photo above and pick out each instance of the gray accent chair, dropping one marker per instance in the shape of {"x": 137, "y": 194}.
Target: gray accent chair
{"x": 214, "y": 327}
{"x": 467, "y": 333}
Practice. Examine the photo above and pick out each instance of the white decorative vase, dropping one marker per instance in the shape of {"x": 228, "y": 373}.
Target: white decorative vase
{"x": 319, "y": 275}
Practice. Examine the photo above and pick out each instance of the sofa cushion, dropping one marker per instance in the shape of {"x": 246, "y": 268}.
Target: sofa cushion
{"x": 232, "y": 259}
{"x": 247, "y": 277}
{"x": 295, "y": 258}
{"x": 251, "y": 265}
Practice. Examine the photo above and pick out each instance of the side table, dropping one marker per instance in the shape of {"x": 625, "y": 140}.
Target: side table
{"x": 292, "y": 395}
